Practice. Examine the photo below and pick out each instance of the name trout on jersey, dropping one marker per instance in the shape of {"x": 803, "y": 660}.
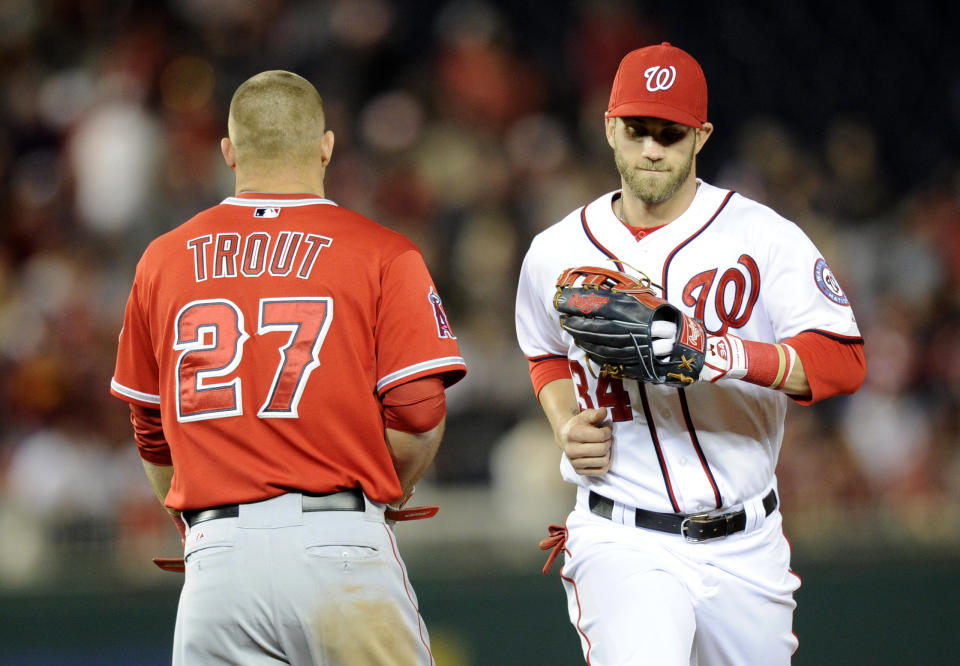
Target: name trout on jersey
{"x": 279, "y": 253}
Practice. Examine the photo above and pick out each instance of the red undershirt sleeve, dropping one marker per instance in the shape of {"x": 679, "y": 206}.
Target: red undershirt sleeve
{"x": 148, "y": 432}
{"x": 546, "y": 369}
{"x": 416, "y": 406}
{"x": 833, "y": 366}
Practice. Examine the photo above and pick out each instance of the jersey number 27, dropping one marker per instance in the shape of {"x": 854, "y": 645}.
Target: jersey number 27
{"x": 210, "y": 336}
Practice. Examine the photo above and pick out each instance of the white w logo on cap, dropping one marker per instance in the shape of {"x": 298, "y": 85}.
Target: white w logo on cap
{"x": 660, "y": 78}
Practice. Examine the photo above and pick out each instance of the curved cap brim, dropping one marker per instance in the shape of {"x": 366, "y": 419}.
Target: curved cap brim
{"x": 655, "y": 110}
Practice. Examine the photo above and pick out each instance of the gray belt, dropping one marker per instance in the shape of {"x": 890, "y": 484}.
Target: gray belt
{"x": 346, "y": 500}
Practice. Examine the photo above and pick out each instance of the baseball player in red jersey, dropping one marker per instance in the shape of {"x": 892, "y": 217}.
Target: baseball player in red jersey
{"x": 285, "y": 361}
{"x": 674, "y": 554}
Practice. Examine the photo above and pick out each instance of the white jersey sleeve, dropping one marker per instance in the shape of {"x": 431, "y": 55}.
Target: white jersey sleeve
{"x": 538, "y": 323}
{"x": 537, "y": 330}
{"x": 800, "y": 291}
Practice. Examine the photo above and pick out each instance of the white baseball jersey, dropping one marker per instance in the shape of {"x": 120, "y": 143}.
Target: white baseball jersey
{"x": 739, "y": 267}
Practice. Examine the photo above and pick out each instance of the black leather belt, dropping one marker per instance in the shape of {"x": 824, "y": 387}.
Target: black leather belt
{"x": 693, "y": 527}
{"x": 346, "y": 500}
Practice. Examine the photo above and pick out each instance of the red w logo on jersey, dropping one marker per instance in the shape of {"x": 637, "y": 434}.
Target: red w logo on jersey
{"x": 443, "y": 324}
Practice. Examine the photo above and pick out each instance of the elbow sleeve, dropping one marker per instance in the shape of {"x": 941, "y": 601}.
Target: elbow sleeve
{"x": 833, "y": 367}
{"x": 148, "y": 432}
{"x": 416, "y": 406}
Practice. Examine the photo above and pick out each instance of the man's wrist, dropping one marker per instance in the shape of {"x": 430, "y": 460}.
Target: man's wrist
{"x": 768, "y": 365}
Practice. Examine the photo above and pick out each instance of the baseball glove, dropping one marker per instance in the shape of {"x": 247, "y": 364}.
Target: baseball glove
{"x": 627, "y": 329}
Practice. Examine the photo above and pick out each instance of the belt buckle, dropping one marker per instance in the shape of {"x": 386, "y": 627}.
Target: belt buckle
{"x": 699, "y": 519}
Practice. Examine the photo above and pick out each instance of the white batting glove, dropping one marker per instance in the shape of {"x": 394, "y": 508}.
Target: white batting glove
{"x": 725, "y": 358}
{"x": 662, "y": 335}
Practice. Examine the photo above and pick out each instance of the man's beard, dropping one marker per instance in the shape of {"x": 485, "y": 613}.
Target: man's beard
{"x": 651, "y": 188}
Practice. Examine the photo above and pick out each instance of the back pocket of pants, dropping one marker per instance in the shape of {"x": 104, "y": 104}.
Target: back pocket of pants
{"x": 210, "y": 551}
{"x": 345, "y": 552}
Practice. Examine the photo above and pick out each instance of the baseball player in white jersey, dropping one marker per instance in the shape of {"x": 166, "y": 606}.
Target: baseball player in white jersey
{"x": 674, "y": 553}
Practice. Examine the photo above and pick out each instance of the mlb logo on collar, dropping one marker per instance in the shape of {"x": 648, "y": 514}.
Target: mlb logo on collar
{"x": 266, "y": 212}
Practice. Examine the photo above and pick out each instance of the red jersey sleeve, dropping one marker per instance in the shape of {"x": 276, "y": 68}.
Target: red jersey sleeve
{"x": 833, "y": 366}
{"x": 136, "y": 377}
{"x": 413, "y": 335}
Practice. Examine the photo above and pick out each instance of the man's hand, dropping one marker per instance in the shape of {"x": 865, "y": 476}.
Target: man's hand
{"x": 724, "y": 356}
{"x": 413, "y": 453}
{"x": 179, "y": 524}
{"x": 586, "y": 442}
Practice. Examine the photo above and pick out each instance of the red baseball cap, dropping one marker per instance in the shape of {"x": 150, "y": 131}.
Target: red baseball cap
{"x": 660, "y": 81}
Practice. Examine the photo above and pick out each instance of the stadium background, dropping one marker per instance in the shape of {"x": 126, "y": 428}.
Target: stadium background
{"x": 470, "y": 125}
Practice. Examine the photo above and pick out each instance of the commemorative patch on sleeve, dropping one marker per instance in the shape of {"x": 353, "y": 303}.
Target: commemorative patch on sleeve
{"x": 828, "y": 284}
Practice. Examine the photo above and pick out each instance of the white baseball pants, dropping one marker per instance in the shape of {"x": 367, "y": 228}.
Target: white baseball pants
{"x": 638, "y": 596}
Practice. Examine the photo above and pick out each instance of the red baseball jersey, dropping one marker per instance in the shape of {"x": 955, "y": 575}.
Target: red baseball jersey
{"x": 266, "y": 329}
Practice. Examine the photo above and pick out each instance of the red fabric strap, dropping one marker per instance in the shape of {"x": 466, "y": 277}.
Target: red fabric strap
{"x": 174, "y": 564}
{"x": 556, "y": 543}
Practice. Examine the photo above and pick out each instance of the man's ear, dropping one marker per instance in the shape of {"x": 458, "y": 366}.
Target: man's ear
{"x": 229, "y": 155}
{"x": 703, "y": 134}
{"x": 326, "y": 147}
{"x": 610, "y": 125}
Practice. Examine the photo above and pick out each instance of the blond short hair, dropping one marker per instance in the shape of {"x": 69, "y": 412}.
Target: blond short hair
{"x": 276, "y": 116}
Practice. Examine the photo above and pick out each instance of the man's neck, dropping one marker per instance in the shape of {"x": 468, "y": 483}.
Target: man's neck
{"x": 635, "y": 213}
{"x": 280, "y": 184}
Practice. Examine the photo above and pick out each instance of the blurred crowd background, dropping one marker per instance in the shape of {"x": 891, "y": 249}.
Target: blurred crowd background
{"x": 471, "y": 125}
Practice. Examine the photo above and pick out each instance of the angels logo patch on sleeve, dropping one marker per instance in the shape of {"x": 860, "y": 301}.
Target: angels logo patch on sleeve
{"x": 443, "y": 324}
{"x": 828, "y": 284}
